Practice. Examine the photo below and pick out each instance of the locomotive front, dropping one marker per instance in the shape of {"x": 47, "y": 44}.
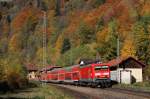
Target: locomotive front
{"x": 101, "y": 75}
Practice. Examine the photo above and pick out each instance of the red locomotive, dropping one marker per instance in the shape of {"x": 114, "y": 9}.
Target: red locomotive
{"x": 93, "y": 74}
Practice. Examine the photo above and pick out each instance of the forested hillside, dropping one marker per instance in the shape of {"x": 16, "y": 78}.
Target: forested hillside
{"x": 75, "y": 29}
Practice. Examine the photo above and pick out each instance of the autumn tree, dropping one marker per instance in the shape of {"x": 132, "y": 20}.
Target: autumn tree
{"x": 3, "y": 46}
{"x": 107, "y": 40}
{"x": 75, "y": 54}
{"x": 142, "y": 39}
{"x": 2, "y": 71}
{"x": 97, "y": 3}
{"x": 74, "y": 5}
{"x": 57, "y": 8}
{"x": 108, "y": 48}
{"x": 14, "y": 43}
{"x": 100, "y": 25}
{"x": 86, "y": 33}
{"x": 128, "y": 48}
{"x": 12, "y": 65}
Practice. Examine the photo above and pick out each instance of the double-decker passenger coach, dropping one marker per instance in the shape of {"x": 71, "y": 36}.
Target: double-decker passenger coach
{"x": 92, "y": 74}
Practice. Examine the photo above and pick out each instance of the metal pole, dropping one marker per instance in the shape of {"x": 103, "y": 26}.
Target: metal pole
{"x": 118, "y": 47}
{"x": 118, "y": 53}
{"x": 44, "y": 39}
{"x": 71, "y": 58}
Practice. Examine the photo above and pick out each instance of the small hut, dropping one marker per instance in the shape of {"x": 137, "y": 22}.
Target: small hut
{"x": 32, "y": 71}
{"x": 129, "y": 64}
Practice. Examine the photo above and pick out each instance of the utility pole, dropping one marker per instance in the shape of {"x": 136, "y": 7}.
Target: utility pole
{"x": 44, "y": 40}
{"x": 118, "y": 58}
{"x": 118, "y": 47}
{"x": 71, "y": 57}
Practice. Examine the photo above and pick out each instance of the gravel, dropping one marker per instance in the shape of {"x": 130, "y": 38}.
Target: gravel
{"x": 97, "y": 93}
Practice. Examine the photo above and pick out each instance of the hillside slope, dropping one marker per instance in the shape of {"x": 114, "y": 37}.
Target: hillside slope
{"x": 75, "y": 29}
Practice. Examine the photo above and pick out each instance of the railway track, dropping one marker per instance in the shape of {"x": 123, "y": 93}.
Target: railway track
{"x": 107, "y": 93}
{"x": 130, "y": 91}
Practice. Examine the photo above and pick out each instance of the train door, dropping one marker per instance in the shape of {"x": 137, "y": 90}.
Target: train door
{"x": 68, "y": 74}
{"x": 86, "y": 73}
{"x": 61, "y": 75}
{"x": 75, "y": 73}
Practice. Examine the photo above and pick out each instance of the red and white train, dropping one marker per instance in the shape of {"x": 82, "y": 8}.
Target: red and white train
{"x": 93, "y": 74}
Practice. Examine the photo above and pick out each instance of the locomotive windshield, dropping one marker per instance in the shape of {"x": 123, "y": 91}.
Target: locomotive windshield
{"x": 97, "y": 68}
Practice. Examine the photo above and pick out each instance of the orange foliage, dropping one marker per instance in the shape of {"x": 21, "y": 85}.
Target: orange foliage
{"x": 92, "y": 17}
{"x": 49, "y": 31}
{"x": 22, "y": 17}
{"x": 146, "y": 8}
{"x": 124, "y": 29}
{"x": 111, "y": 1}
{"x": 5, "y": 27}
{"x": 74, "y": 20}
{"x": 119, "y": 9}
{"x": 14, "y": 44}
{"x": 58, "y": 46}
{"x": 102, "y": 36}
{"x": 128, "y": 48}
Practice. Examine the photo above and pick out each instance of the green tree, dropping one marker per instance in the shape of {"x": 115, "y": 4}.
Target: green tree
{"x": 73, "y": 5}
{"x": 97, "y": 3}
{"x": 57, "y": 8}
{"x": 86, "y": 33}
{"x": 75, "y": 54}
{"x": 108, "y": 50}
{"x": 100, "y": 25}
{"x": 66, "y": 45}
{"x": 13, "y": 71}
{"x": 107, "y": 45}
{"x": 142, "y": 39}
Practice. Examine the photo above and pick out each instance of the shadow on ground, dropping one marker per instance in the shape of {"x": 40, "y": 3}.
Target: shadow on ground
{"x": 4, "y": 87}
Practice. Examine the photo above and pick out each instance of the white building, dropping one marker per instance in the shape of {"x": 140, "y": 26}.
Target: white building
{"x": 127, "y": 70}
{"x": 32, "y": 72}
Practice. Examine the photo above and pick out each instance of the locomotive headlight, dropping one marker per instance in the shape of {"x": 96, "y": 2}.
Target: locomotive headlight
{"x": 105, "y": 73}
{"x": 97, "y": 74}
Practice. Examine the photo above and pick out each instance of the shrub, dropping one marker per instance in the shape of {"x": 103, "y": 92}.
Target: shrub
{"x": 13, "y": 72}
{"x": 142, "y": 84}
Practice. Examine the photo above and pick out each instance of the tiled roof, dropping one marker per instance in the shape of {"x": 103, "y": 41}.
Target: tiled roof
{"x": 115, "y": 62}
{"x": 49, "y": 67}
{"x": 120, "y": 60}
{"x": 31, "y": 67}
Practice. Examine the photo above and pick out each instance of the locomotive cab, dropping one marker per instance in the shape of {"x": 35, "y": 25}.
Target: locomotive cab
{"x": 101, "y": 72}
{"x": 101, "y": 75}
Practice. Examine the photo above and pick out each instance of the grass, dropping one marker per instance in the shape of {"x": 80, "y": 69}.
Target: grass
{"x": 145, "y": 86}
{"x": 43, "y": 91}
